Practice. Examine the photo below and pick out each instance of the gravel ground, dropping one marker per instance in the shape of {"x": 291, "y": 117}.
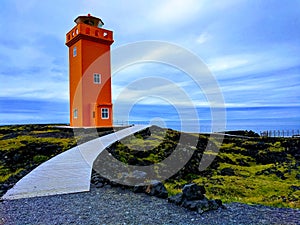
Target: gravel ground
{"x": 117, "y": 206}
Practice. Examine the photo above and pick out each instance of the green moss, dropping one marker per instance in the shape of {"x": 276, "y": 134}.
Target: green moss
{"x": 254, "y": 190}
{"x": 40, "y": 158}
{"x": 227, "y": 146}
{"x": 235, "y": 158}
{"x": 175, "y": 186}
{"x": 253, "y": 183}
{"x": 249, "y": 184}
{"x": 21, "y": 146}
{"x": 153, "y": 158}
{"x": 6, "y": 173}
{"x": 276, "y": 147}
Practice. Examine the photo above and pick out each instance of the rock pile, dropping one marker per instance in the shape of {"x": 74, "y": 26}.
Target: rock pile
{"x": 193, "y": 198}
{"x": 156, "y": 188}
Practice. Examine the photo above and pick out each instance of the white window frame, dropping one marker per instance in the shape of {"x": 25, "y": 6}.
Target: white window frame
{"x": 75, "y": 51}
{"x": 104, "y": 113}
{"x": 97, "y": 78}
{"x": 75, "y": 113}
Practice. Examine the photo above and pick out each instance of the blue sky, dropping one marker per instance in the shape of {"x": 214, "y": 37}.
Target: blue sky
{"x": 251, "y": 47}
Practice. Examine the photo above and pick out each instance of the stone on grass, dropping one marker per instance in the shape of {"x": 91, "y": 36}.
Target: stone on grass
{"x": 192, "y": 198}
{"x": 193, "y": 192}
{"x": 227, "y": 172}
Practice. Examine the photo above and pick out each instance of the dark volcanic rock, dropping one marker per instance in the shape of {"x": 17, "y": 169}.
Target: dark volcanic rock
{"x": 227, "y": 172}
{"x": 268, "y": 157}
{"x": 193, "y": 192}
{"x": 99, "y": 185}
{"x": 9, "y": 136}
{"x": 98, "y": 180}
{"x": 242, "y": 162}
{"x": 157, "y": 189}
{"x": 295, "y": 188}
{"x": 139, "y": 189}
{"x": 176, "y": 199}
{"x": 194, "y": 205}
{"x": 270, "y": 171}
{"x": 202, "y": 205}
{"x": 193, "y": 198}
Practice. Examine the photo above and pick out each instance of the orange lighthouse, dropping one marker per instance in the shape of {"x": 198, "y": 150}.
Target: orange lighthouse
{"x": 90, "y": 73}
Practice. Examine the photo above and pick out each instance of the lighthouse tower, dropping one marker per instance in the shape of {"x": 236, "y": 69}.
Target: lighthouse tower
{"x": 90, "y": 73}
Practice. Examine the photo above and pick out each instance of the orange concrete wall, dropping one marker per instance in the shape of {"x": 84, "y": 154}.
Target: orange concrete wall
{"x": 75, "y": 87}
{"x": 99, "y": 55}
{"x": 93, "y": 56}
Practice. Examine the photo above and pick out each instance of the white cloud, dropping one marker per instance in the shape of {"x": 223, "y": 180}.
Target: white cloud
{"x": 38, "y": 86}
{"x": 204, "y": 37}
{"x": 154, "y": 89}
{"x": 253, "y": 62}
{"x": 228, "y": 62}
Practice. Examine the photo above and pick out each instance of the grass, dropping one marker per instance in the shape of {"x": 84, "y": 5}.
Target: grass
{"x": 267, "y": 190}
{"x": 25, "y": 140}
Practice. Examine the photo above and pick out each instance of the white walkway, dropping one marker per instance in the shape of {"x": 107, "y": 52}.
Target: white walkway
{"x": 68, "y": 172}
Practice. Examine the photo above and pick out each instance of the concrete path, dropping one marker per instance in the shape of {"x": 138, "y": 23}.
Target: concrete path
{"x": 68, "y": 172}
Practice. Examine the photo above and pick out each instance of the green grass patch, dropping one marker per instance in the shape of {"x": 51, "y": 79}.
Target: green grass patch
{"x": 253, "y": 190}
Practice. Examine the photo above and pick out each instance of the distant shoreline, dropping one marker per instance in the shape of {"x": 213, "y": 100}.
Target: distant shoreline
{"x": 268, "y": 132}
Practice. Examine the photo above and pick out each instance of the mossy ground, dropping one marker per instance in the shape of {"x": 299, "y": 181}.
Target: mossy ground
{"x": 265, "y": 170}
{"x": 23, "y": 147}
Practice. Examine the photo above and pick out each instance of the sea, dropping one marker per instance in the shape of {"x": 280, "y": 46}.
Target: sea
{"x": 280, "y": 120}
{"x": 283, "y": 121}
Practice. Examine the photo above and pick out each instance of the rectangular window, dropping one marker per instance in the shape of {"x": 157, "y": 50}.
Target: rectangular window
{"x": 75, "y": 113}
{"x": 94, "y": 114}
{"x": 74, "y": 51}
{"x": 97, "y": 78}
{"x": 104, "y": 113}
